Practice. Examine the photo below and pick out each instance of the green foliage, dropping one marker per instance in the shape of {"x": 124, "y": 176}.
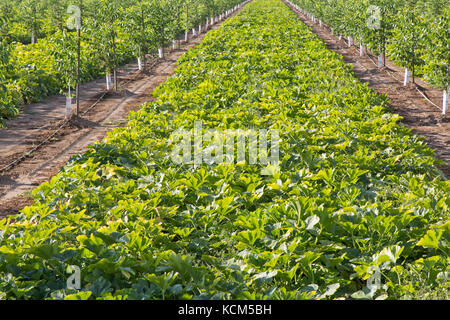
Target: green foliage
{"x": 414, "y": 33}
{"x": 407, "y": 42}
{"x": 7, "y": 109}
{"x": 356, "y": 192}
{"x": 437, "y": 55}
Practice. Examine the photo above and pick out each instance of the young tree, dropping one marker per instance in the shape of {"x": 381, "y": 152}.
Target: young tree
{"x": 75, "y": 22}
{"x": 381, "y": 15}
{"x": 65, "y": 52}
{"x": 106, "y": 35}
{"x": 6, "y": 18}
{"x": 210, "y": 8}
{"x": 407, "y": 38}
{"x": 136, "y": 24}
{"x": 437, "y": 55}
{"x": 163, "y": 14}
{"x": 55, "y": 12}
{"x": 31, "y": 14}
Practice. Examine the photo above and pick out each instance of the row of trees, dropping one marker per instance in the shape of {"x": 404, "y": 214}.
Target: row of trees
{"x": 414, "y": 33}
{"x": 85, "y": 38}
{"x": 27, "y": 20}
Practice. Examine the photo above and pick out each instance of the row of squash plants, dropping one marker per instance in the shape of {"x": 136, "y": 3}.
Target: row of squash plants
{"x": 414, "y": 33}
{"x": 112, "y": 33}
{"x": 356, "y": 194}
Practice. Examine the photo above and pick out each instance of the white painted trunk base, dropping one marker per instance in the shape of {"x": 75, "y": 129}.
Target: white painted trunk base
{"x": 108, "y": 82}
{"x": 445, "y": 101}
{"x": 69, "y": 104}
{"x": 406, "y": 78}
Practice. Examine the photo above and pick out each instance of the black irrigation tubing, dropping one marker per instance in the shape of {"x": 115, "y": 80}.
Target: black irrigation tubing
{"x": 370, "y": 58}
{"x": 22, "y": 158}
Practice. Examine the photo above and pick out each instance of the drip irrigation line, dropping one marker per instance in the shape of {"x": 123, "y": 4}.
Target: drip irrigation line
{"x": 28, "y": 153}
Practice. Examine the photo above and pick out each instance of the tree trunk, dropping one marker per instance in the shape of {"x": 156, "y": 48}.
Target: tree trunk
{"x": 114, "y": 61}
{"x": 187, "y": 23}
{"x": 143, "y": 51}
{"x": 33, "y": 32}
{"x": 79, "y": 61}
{"x": 414, "y": 51}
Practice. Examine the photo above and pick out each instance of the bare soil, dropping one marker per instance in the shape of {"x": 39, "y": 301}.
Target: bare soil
{"x": 39, "y": 121}
{"x": 418, "y": 114}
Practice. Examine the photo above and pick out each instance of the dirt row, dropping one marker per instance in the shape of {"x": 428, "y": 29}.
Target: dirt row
{"x": 40, "y": 120}
{"x": 422, "y": 117}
